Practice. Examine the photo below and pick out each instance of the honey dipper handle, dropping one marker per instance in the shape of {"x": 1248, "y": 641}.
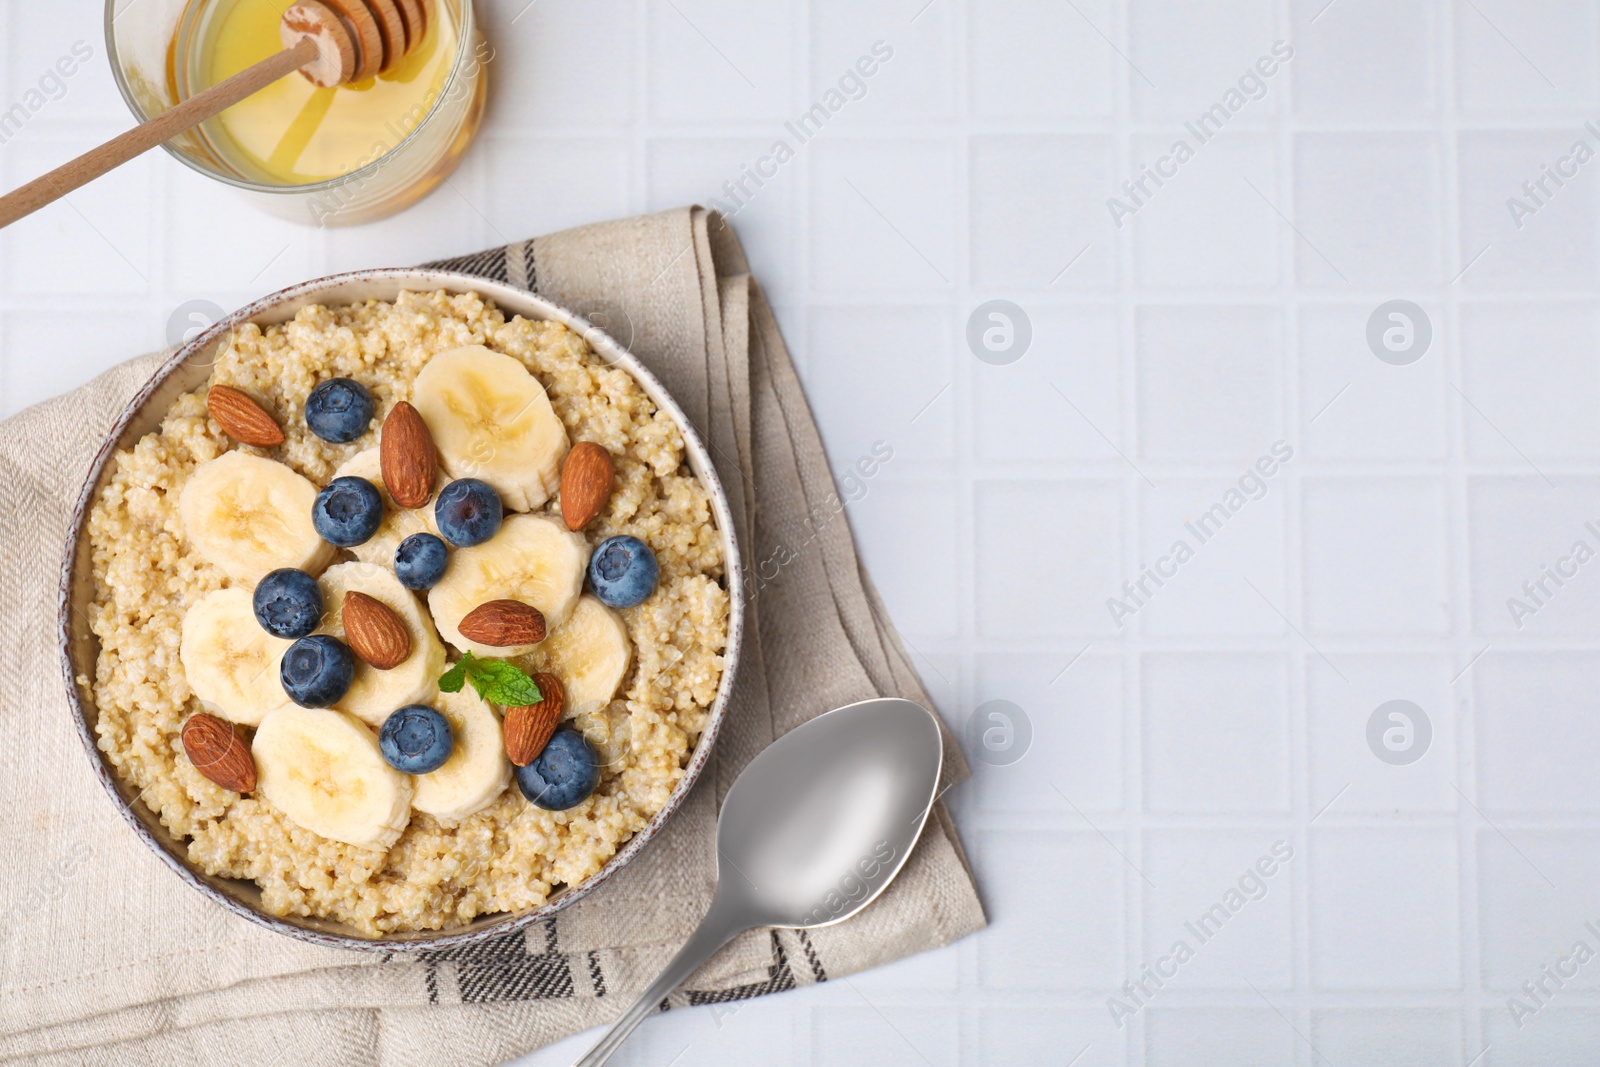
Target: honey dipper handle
{"x": 117, "y": 151}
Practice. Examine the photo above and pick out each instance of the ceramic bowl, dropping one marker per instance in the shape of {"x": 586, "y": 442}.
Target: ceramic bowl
{"x": 189, "y": 368}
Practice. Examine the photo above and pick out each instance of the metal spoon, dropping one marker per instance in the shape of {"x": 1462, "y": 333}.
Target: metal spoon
{"x": 812, "y": 831}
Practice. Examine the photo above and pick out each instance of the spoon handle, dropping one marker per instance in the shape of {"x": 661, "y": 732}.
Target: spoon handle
{"x": 718, "y": 928}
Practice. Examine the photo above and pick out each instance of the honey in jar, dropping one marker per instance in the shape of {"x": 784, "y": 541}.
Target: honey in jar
{"x": 295, "y": 133}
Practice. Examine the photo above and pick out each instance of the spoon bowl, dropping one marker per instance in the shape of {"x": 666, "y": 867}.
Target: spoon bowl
{"x": 819, "y": 822}
{"x": 810, "y": 833}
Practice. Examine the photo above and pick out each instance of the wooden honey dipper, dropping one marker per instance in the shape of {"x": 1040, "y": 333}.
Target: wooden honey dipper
{"x": 330, "y": 42}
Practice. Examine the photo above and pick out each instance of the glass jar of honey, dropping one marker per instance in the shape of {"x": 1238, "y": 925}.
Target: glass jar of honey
{"x": 327, "y": 157}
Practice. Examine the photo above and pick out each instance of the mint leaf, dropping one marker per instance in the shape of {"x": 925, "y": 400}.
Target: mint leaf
{"x": 454, "y": 678}
{"x": 504, "y": 683}
{"x": 496, "y": 681}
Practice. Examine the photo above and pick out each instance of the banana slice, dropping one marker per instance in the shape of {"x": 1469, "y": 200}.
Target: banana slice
{"x": 590, "y": 653}
{"x": 322, "y": 769}
{"x": 230, "y": 661}
{"x": 534, "y": 559}
{"x": 477, "y": 771}
{"x": 491, "y": 420}
{"x": 250, "y": 515}
{"x": 375, "y": 694}
{"x": 398, "y": 523}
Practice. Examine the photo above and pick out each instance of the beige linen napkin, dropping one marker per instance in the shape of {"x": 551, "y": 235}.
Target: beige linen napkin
{"x": 105, "y": 957}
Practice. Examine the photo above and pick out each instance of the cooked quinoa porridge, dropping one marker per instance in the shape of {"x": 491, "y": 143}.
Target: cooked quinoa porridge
{"x": 463, "y": 840}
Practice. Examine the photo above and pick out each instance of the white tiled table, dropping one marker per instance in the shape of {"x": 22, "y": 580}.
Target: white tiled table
{"x": 1230, "y": 312}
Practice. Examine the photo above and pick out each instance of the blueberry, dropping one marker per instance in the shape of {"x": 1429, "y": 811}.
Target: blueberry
{"x": 339, "y": 410}
{"x": 288, "y": 603}
{"x": 317, "y": 671}
{"x": 623, "y": 572}
{"x": 347, "y": 512}
{"x": 468, "y": 512}
{"x": 416, "y": 739}
{"x": 420, "y": 561}
{"x": 565, "y": 773}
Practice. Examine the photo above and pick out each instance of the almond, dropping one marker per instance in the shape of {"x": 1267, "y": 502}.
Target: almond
{"x": 406, "y": 457}
{"x": 219, "y": 753}
{"x": 241, "y": 418}
{"x": 374, "y": 631}
{"x": 587, "y": 477}
{"x": 528, "y": 729}
{"x": 503, "y": 622}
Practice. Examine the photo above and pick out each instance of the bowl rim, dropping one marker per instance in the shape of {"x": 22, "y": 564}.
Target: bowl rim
{"x": 511, "y": 300}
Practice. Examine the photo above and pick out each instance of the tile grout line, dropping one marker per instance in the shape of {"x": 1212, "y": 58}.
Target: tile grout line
{"x": 1289, "y": 656}
{"x": 639, "y": 134}
{"x": 965, "y": 371}
{"x": 1126, "y": 297}
{"x": 1457, "y": 480}
{"x": 1292, "y": 575}
{"x": 1158, "y": 124}
{"x": 797, "y": 333}
{"x": 964, "y": 374}
{"x": 1084, "y": 301}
